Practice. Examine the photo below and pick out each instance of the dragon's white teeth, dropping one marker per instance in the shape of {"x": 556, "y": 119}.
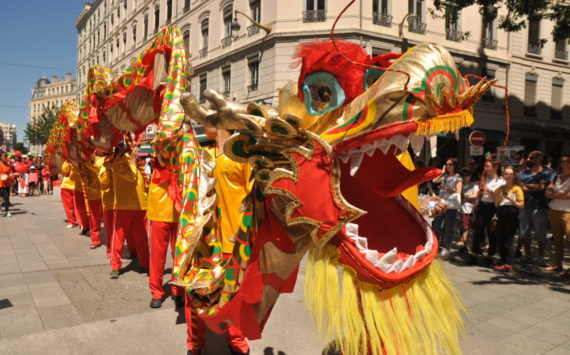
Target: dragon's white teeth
{"x": 355, "y": 162}
{"x": 400, "y": 141}
{"x": 361, "y": 243}
{"x": 390, "y": 256}
{"x": 409, "y": 262}
{"x": 420, "y": 254}
{"x": 352, "y": 229}
{"x": 372, "y": 256}
{"x": 417, "y": 143}
{"x": 344, "y": 157}
{"x": 397, "y": 266}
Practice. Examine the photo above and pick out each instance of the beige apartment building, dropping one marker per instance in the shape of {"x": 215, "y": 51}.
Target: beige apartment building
{"x": 248, "y": 65}
{"x": 7, "y": 134}
{"x": 45, "y": 94}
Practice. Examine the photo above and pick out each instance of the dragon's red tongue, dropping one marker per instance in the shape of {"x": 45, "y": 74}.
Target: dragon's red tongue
{"x": 385, "y": 176}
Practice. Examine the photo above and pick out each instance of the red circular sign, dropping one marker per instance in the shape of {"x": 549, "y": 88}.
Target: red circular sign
{"x": 477, "y": 138}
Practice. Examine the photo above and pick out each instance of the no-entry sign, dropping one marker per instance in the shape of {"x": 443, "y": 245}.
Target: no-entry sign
{"x": 477, "y": 138}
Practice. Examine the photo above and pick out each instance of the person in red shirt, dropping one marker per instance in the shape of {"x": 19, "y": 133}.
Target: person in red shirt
{"x": 46, "y": 179}
{"x": 22, "y": 168}
{"x": 6, "y": 181}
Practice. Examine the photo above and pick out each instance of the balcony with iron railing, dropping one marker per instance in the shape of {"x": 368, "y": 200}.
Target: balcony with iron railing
{"x": 490, "y": 43}
{"x": 453, "y": 35}
{"x": 416, "y": 26}
{"x": 382, "y": 19}
{"x": 534, "y": 47}
{"x": 203, "y": 52}
{"x": 315, "y": 16}
{"x": 561, "y": 54}
{"x": 252, "y": 87}
{"x": 226, "y": 41}
{"x": 252, "y": 30}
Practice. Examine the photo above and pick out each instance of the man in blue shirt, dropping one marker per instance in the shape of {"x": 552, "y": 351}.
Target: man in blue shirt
{"x": 534, "y": 181}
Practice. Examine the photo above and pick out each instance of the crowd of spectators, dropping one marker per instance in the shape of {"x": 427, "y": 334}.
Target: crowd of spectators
{"x": 24, "y": 176}
{"x": 496, "y": 205}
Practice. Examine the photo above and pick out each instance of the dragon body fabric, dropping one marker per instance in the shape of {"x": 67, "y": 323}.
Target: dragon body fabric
{"x": 334, "y": 180}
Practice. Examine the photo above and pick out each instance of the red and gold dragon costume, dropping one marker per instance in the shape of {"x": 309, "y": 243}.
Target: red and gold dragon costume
{"x": 332, "y": 175}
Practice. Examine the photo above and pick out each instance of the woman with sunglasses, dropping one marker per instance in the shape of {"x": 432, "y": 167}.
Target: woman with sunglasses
{"x": 559, "y": 213}
{"x": 509, "y": 199}
{"x": 450, "y": 192}
{"x": 485, "y": 210}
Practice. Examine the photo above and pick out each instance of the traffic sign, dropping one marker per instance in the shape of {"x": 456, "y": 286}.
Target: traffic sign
{"x": 477, "y": 138}
{"x": 475, "y": 150}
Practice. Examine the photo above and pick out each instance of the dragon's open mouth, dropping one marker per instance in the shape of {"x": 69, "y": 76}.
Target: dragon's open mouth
{"x": 392, "y": 241}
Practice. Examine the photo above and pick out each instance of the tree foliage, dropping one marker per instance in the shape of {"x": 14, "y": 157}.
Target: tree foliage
{"x": 37, "y": 132}
{"x": 21, "y": 147}
{"x": 517, "y": 14}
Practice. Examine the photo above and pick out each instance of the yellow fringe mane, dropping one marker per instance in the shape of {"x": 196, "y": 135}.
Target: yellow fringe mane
{"x": 450, "y": 122}
{"x": 423, "y": 316}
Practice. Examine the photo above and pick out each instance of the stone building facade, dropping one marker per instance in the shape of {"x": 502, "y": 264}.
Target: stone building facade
{"x": 47, "y": 94}
{"x": 247, "y": 65}
{"x": 7, "y": 134}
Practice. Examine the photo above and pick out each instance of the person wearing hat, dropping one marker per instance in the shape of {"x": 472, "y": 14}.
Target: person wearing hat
{"x": 6, "y": 181}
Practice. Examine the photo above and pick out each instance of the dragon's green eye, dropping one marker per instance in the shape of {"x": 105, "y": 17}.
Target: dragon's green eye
{"x": 322, "y": 93}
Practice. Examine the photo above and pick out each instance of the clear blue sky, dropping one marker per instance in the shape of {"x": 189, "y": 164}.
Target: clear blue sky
{"x": 37, "y": 37}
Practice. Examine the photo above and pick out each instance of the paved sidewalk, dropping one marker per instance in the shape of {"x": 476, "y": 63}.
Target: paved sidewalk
{"x": 56, "y": 298}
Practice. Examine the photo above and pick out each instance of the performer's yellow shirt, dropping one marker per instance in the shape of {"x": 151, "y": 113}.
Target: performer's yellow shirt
{"x": 232, "y": 186}
{"x": 92, "y": 185}
{"x": 160, "y": 206}
{"x": 128, "y": 184}
{"x": 71, "y": 179}
{"x": 106, "y": 183}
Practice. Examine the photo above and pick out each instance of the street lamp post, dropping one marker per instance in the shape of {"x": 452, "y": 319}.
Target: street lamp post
{"x": 236, "y": 26}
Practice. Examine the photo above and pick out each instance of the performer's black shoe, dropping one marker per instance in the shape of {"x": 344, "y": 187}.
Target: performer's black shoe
{"x": 155, "y": 303}
{"x": 84, "y": 232}
{"x": 178, "y": 301}
{"x": 143, "y": 270}
{"x": 114, "y": 274}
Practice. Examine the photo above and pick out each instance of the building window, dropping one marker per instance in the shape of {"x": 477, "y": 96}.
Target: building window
{"x": 124, "y": 40}
{"x": 203, "y": 86}
{"x": 556, "y": 100}
{"x": 186, "y": 5}
{"x": 227, "y": 80}
{"x": 253, "y": 65}
{"x": 315, "y": 11}
{"x": 381, "y": 12}
{"x": 452, "y": 26}
{"x": 530, "y": 94}
{"x": 104, "y": 31}
{"x": 168, "y": 11}
{"x": 490, "y": 30}
{"x": 534, "y": 44}
{"x": 118, "y": 12}
{"x": 204, "y": 27}
{"x": 134, "y": 34}
{"x": 227, "y": 16}
{"x": 112, "y": 19}
{"x": 145, "y": 26}
{"x": 255, "y": 11}
{"x": 125, "y": 5}
{"x": 416, "y": 23}
{"x": 560, "y": 49}
{"x": 186, "y": 37}
{"x": 156, "y": 18}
